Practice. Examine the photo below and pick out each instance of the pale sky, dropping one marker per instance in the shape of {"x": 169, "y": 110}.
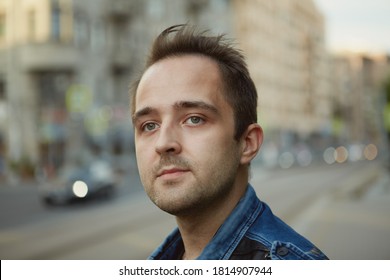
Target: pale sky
{"x": 357, "y": 25}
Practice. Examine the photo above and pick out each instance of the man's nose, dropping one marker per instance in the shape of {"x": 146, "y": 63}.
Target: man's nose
{"x": 168, "y": 141}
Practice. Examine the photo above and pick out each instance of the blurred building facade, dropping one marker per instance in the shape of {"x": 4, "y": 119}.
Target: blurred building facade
{"x": 285, "y": 47}
{"x": 308, "y": 97}
{"x": 66, "y": 65}
{"x": 359, "y": 99}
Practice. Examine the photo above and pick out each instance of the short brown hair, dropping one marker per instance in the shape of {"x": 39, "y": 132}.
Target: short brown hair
{"x": 240, "y": 91}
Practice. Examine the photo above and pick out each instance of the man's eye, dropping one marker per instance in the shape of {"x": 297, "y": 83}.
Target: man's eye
{"x": 194, "y": 120}
{"x": 149, "y": 127}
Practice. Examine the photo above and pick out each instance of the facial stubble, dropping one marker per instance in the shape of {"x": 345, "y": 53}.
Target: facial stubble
{"x": 206, "y": 186}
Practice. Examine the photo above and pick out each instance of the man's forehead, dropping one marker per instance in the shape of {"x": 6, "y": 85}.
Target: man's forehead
{"x": 193, "y": 63}
{"x": 177, "y": 78}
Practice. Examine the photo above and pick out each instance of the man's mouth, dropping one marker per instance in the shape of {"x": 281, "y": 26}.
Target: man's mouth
{"x": 171, "y": 172}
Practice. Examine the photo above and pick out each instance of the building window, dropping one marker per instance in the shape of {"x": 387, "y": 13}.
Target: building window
{"x": 98, "y": 34}
{"x": 80, "y": 29}
{"x": 2, "y": 27}
{"x": 31, "y": 25}
{"x": 120, "y": 40}
{"x": 120, "y": 77}
{"x": 55, "y": 21}
{"x": 52, "y": 88}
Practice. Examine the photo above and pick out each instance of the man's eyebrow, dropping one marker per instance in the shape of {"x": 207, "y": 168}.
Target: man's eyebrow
{"x": 196, "y": 104}
{"x": 178, "y": 105}
{"x": 143, "y": 112}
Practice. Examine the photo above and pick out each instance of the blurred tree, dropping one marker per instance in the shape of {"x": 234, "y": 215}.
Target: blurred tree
{"x": 386, "y": 86}
{"x": 386, "y": 112}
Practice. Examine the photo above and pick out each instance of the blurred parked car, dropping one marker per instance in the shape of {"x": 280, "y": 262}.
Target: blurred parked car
{"x": 76, "y": 183}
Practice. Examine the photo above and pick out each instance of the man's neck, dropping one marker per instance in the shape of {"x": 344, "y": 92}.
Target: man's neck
{"x": 198, "y": 229}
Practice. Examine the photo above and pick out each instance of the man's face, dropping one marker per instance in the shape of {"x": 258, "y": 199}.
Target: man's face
{"x": 184, "y": 135}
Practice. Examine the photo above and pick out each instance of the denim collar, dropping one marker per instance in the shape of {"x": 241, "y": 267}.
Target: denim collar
{"x": 226, "y": 238}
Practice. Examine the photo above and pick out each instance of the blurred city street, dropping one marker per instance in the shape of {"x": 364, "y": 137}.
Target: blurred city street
{"x": 343, "y": 208}
{"x": 322, "y": 73}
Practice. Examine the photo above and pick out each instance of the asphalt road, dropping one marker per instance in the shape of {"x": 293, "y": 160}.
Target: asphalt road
{"x": 344, "y": 209}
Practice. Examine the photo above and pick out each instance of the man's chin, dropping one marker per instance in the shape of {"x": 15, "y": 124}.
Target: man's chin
{"x": 175, "y": 204}
{"x": 175, "y": 210}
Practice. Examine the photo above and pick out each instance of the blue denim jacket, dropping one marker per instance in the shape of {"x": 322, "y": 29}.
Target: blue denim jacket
{"x": 251, "y": 231}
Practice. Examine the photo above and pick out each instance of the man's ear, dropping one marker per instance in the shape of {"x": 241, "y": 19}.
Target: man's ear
{"x": 251, "y": 142}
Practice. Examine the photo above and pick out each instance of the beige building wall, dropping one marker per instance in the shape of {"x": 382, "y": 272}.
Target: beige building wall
{"x": 284, "y": 44}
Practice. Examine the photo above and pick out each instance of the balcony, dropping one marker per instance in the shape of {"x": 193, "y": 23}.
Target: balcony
{"x": 122, "y": 58}
{"x": 47, "y": 56}
{"x": 119, "y": 10}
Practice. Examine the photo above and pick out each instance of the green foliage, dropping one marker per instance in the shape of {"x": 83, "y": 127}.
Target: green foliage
{"x": 23, "y": 167}
{"x": 386, "y": 113}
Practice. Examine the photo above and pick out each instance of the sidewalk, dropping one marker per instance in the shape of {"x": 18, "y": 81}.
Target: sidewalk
{"x": 352, "y": 226}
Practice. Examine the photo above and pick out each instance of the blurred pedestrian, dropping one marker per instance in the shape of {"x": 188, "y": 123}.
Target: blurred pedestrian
{"x": 196, "y": 132}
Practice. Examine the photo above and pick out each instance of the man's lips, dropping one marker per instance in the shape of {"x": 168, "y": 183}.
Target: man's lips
{"x": 172, "y": 171}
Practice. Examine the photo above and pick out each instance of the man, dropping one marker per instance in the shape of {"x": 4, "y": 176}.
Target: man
{"x": 196, "y": 132}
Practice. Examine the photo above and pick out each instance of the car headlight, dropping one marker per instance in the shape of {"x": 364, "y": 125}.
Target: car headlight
{"x": 80, "y": 189}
